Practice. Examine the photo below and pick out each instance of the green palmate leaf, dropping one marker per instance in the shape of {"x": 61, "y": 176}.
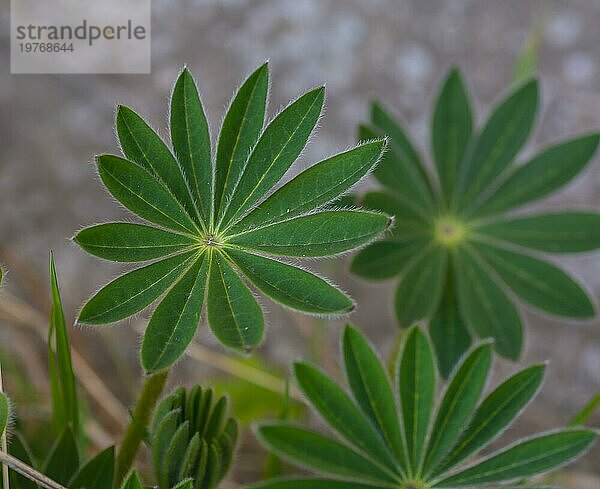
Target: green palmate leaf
{"x": 325, "y": 233}
{"x": 451, "y": 130}
{"x": 142, "y": 145}
{"x": 371, "y": 389}
{"x": 191, "y": 142}
{"x": 538, "y": 282}
{"x": 128, "y": 242}
{"x": 63, "y": 460}
{"x": 291, "y": 286}
{"x": 97, "y": 473}
{"x": 561, "y": 232}
{"x": 317, "y": 452}
{"x": 143, "y": 194}
{"x": 318, "y": 185}
{"x": 4, "y": 411}
{"x": 419, "y": 292}
{"x": 278, "y": 147}
{"x": 408, "y": 223}
{"x": 497, "y": 411}
{"x": 289, "y": 483}
{"x": 485, "y": 307}
{"x": 233, "y": 313}
{"x": 525, "y": 459}
{"x": 416, "y": 377}
{"x": 449, "y": 334}
{"x": 386, "y": 258}
{"x": 500, "y": 140}
{"x": 175, "y": 321}
{"x": 457, "y": 405}
{"x": 220, "y": 219}
{"x": 540, "y": 176}
{"x": 65, "y": 408}
{"x": 133, "y": 481}
{"x": 241, "y": 127}
{"x": 131, "y": 292}
{"x": 338, "y": 409}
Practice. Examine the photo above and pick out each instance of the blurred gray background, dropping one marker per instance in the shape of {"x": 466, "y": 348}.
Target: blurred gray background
{"x": 395, "y": 50}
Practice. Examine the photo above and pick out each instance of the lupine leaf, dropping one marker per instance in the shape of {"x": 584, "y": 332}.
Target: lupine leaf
{"x": 485, "y": 307}
{"x": 322, "y": 234}
{"x": 500, "y": 140}
{"x": 65, "y": 407}
{"x": 320, "y": 453}
{"x": 96, "y": 473}
{"x": 371, "y": 389}
{"x": 449, "y": 335}
{"x": 191, "y": 141}
{"x": 538, "y": 282}
{"x": 496, "y": 412}
{"x": 416, "y": 377}
{"x": 582, "y": 416}
{"x": 457, "y": 404}
{"x": 288, "y": 483}
{"x": 386, "y": 258}
{"x": 317, "y": 185}
{"x": 129, "y": 242}
{"x": 131, "y": 292}
{"x": 524, "y": 459}
{"x": 408, "y": 222}
{"x": 63, "y": 459}
{"x": 560, "y": 232}
{"x": 451, "y": 130}
{"x": 418, "y": 293}
{"x": 234, "y": 316}
{"x": 241, "y": 127}
{"x": 175, "y": 321}
{"x": 142, "y": 194}
{"x": 291, "y": 286}
{"x": 278, "y": 147}
{"x": 340, "y": 412}
{"x": 143, "y": 146}
{"x": 543, "y": 174}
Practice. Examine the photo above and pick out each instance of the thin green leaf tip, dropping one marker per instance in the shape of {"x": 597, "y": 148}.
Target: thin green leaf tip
{"x": 462, "y": 256}
{"x": 216, "y": 230}
{"x": 392, "y": 432}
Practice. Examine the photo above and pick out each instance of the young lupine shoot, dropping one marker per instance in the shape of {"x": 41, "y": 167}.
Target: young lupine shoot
{"x": 192, "y": 439}
{"x": 461, "y": 256}
{"x": 215, "y": 224}
{"x": 391, "y": 433}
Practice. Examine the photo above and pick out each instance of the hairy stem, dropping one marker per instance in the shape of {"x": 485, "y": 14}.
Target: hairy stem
{"x": 140, "y": 417}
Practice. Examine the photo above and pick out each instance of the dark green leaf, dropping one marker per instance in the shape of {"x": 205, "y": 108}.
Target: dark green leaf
{"x": 451, "y": 130}
{"x": 241, "y": 127}
{"x": 416, "y": 381}
{"x": 128, "y": 242}
{"x": 313, "y": 450}
{"x": 538, "y": 282}
{"x": 63, "y": 460}
{"x": 291, "y": 286}
{"x": 543, "y": 174}
{"x": 533, "y": 456}
{"x": 457, "y": 404}
{"x": 485, "y": 307}
{"x": 287, "y": 483}
{"x": 386, "y": 258}
{"x": 143, "y": 194}
{"x": 317, "y": 186}
{"x": 497, "y": 411}
{"x": 500, "y": 140}
{"x": 191, "y": 142}
{"x": 371, "y": 389}
{"x": 175, "y": 320}
{"x": 18, "y": 448}
{"x": 132, "y": 481}
{"x": 143, "y": 146}
{"x": 234, "y": 316}
{"x": 322, "y": 234}
{"x": 561, "y": 232}
{"x": 336, "y": 407}
{"x": 420, "y": 289}
{"x": 278, "y": 147}
{"x": 131, "y": 292}
{"x": 97, "y": 473}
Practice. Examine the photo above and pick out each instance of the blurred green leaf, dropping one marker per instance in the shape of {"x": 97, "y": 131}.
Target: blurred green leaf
{"x": 97, "y": 473}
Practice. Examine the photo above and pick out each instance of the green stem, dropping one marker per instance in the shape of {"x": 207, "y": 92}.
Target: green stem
{"x": 140, "y": 418}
